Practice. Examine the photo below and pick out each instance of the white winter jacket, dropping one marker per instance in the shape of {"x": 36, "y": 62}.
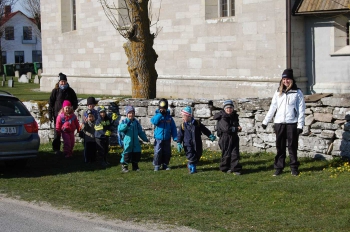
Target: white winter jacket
{"x": 290, "y": 108}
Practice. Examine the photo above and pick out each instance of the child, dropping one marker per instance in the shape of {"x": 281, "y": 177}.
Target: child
{"x": 91, "y": 102}
{"x": 102, "y": 133}
{"x": 165, "y": 129}
{"x": 227, "y": 128}
{"x": 131, "y": 129}
{"x": 189, "y": 134}
{"x": 66, "y": 124}
{"x": 88, "y": 128}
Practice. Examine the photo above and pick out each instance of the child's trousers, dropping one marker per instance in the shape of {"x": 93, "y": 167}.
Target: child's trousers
{"x": 68, "y": 143}
{"x": 89, "y": 151}
{"x": 229, "y": 145}
{"x": 102, "y": 145}
{"x": 162, "y": 152}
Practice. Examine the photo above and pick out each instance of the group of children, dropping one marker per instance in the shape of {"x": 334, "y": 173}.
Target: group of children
{"x": 96, "y": 129}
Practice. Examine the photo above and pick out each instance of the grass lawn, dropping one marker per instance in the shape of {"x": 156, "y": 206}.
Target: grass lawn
{"x": 30, "y": 91}
{"x": 210, "y": 200}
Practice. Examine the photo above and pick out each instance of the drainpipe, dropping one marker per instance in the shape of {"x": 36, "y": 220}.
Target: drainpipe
{"x": 289, "y": 35}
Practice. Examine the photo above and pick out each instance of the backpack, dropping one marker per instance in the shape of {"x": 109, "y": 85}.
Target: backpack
{"x": 121, "y": 135}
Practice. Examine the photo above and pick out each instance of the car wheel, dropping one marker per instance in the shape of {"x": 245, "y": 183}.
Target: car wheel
{"x": 20, "y": 163}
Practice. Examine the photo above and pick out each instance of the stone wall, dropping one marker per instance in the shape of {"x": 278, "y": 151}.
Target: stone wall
{"x": 326, "y": 132}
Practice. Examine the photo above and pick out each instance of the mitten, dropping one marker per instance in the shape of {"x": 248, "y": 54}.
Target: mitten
{"x": 179, "y": 147}
{"x": 114, "y": 116}
{"x": 234, "y": 129}
{"x": 300, "y": 131}
{"x": 212, "y": 137}
{"x": 108, "y": 133}
{"x": 263, "y": 126}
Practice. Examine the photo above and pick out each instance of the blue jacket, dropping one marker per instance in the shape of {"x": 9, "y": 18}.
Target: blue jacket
{"x": 165, "y": 126}
{"x": 132, "y": 133}
{"x": 101, "y": 126}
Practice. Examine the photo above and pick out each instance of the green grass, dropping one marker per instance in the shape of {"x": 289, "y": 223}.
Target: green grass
{"x": 31, "y": 91}
{"x": 210, "y": 200}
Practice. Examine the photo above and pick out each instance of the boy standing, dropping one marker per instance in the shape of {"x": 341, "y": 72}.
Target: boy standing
{"x": 91, "y": 103}
{"x": 131, "y": 129}
{"x": 102, "y": 133}
{"x": 189, "y": 134}
{"x": 165, "y": 129}
{"x": 227, "y": 129}
{"x": 88, "y": 128}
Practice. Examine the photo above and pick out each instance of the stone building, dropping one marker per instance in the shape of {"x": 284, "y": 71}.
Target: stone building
{"x": 207, "y": 49}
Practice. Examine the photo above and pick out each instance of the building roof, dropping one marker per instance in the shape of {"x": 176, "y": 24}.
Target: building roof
{"x": 303, "y": 7}
{"x": 7, "y": 17}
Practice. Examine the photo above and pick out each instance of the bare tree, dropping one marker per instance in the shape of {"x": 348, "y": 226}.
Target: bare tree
{"x": 5, "y": 10}
{"x": 132, "y": 19}
{"x": 33, "y": 8}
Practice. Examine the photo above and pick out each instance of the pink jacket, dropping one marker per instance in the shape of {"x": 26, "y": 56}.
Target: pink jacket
{"x": 67, "y": 123}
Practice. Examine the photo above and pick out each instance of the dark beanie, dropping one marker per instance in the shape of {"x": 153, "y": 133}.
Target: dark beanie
{"x": 91, "y": 101}
{"x": 62, "y": 77}
{"x": 288, "y": 73}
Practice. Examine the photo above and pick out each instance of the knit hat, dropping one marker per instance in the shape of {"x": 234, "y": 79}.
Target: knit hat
{"x": 128, "y": 109}
{"x": 62, "y": 77}
{"x": 187, "y": 111}
{"x": 101, "y": 109}
{"x": 66, "y": 103}
{"x": 163, "y": 103}
{"x": 228, "y": 103}
{"x": 89, "y": 112}
{"x": 91, "y": 101}
{"x": 288, "y": 73}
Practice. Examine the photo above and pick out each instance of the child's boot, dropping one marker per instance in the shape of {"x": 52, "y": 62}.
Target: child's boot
{"x": 135, "y": 167}
{"x": 192, "y": 168}
{"x": 165, "y": 167}
{"x": 156, "y": 168}
{"x": 125, "y": 168}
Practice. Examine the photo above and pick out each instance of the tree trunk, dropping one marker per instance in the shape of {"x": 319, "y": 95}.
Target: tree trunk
{"x": 139, "y": 50}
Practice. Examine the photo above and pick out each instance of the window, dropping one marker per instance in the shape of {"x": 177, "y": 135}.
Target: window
{"x": 74, "y": 15}
{"x": 227, "y": 8}
{"x": 9, "y": 33}
{"x": 19, "y": 57}
{"x": 68, "y": 15}
{"x": 4, "y": 57}
{"x": 27, "y": 33}
{"x": 219, "y": 8}
{"x": 36, "y": 56}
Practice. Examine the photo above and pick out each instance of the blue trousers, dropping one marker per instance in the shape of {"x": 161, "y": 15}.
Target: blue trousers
{"x": 162, "y": 152}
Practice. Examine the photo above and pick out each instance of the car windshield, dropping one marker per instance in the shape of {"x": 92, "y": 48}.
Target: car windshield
{"x": 12, "y": 107}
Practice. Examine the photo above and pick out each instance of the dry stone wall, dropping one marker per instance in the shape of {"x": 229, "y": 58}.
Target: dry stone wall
{"x": 326, "y": 132}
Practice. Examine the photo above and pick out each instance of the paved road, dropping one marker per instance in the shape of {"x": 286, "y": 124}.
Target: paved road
{"x": 19, "y": 216}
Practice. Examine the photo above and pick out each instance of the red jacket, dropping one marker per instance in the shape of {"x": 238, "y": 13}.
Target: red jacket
{"x": 67, "y": 123}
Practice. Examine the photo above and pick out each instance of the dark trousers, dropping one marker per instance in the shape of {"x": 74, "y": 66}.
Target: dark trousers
{"x": 90, "y": 152}
{"x": 287, "y": 132}
{"x": 131, "y": 157}
{"x": 192, "y": 155}
{"x": 162, "y": 152}
{"x": 56, "y": 142}
{"x": 229, "y": 145}
{"x": 102, "y": 145}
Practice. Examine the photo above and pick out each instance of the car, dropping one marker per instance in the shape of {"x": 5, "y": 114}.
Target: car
{"x": 19, "y": 138}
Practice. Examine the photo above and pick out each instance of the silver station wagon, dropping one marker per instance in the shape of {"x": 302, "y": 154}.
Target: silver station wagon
{"x": 19, "y": 139}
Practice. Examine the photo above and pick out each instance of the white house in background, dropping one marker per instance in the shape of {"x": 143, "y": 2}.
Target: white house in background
{"x": 21, "y": 40}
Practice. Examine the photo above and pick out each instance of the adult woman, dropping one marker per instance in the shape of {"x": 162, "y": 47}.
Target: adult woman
{"x": 289, "y": 105}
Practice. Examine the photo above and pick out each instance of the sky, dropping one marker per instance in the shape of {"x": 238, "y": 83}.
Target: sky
{"x": 18, "y": 6}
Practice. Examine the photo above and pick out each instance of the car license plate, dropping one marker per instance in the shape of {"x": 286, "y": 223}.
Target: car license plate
{"x": 8, "y": 130}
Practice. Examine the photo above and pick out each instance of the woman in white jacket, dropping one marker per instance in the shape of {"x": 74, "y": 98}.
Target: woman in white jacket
{"x": 289, "y": 105}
